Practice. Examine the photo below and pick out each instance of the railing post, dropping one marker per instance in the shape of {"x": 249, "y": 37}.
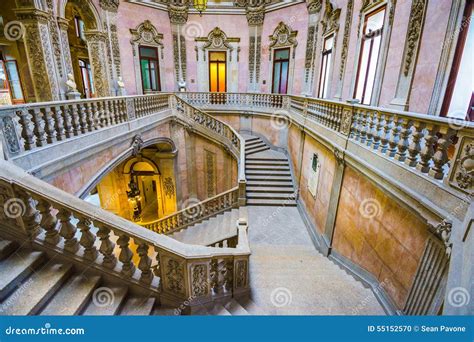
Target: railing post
{"x": 130, "y": 107}
{"x": 242, "y": 192}
{"x": 12, "y": 133}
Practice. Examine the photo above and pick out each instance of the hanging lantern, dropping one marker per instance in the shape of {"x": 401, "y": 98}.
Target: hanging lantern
{"x": 200, "y": 5}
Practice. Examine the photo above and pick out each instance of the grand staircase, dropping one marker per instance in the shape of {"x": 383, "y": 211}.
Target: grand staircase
{"x": 269, "y": 180}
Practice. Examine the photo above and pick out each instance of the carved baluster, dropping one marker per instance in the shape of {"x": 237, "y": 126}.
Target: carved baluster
{"x": 126, "y": 255}
{"x": 67, "y": 121}
{"x": 26, "y": 128}
{"x": 49, "y": 125}
{"x": 82, "y": 118}
{"x": 362, "y": 126}
{"x": 157, "y": 268}
{"x": 370, "y": 128}
{"x": 415, "y": 147}
{"x": 87, "y": 239}
{"x": 59, "y": 123}
{"x": 403, "y": 142}
{"x": 29, "y": 215}
{"x": 96, "y": 114}
{"x": 393, "y": 142}
{"x": 88, "y": 117}
{"x": 144, "y": 265}
{"x": 67, "y": 231}
{"x": 228, "y": 274}
{"x": 48, "y": 222}
{"x": 76, "y": 126}
{"x": 387, "y": 128}
{"x": 39, "y": 127}
{"x": 214, "y": 276}
{"x": 440, "y": 157}
{"x": 427, "y": 151}
{"x": 106, "y": 246}
{"x": 377, "y": 133}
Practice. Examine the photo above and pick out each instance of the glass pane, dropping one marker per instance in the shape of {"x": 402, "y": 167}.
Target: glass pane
{"x": 154, "y": 78}
{"x": 3, "y": 78}
{"x": 284, "y": 77}
{"x": 372, "y": 68}
{"x": 91, "y": 79}
{"x": 14, "y": 79}
{"x": 362, "y": 70}
{"x": 145, "y": 75}
{"x": 213, "y": 77}
{"x": 217, "y": 56}
{"x": 282, "y": 54}
{"x": 276, "y": 77}
{"x": 326, "y": 77}
{"x": 328, "y": 43}
{"x": 374, "y": 21}
{"x": 148, "y": 52}
{"x": 222, "y": 77}
{"x": 322, "y": 81}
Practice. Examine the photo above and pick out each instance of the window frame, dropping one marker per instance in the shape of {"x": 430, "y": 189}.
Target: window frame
{"x": 157, "y": 60}
{"x": 326, "y": 58}
{"x": 378, "y": 33}
{"x": 287, "y": 60}
{"x": 209, "y": 53}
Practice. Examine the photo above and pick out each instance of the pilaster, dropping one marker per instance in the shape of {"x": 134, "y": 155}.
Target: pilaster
{"x": 255, "y": 19}
{"x": 178, "y": 15}
{"x": 314, "y": 9}
{"x": 97, "y": 46}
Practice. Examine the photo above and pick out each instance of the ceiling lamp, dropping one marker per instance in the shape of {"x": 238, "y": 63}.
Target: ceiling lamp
{"x": 200, "y": 5}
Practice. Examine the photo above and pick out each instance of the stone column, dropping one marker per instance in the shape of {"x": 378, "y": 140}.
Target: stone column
{"x": 97, "y": 46}
{"x": 41, "y": 59}
{"x": 314, "y": 9}
{"x": 178, "y": 17}
{"x": 109, "y": 13}
{"x": 255, "y": 18}
{"x": 410, "y": 54}
{"x": 66, "y": 51}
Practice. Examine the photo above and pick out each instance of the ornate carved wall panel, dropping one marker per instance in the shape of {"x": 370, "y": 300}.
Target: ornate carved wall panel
{"x": 211, "y": 176}
{"x": 97, "y": 46}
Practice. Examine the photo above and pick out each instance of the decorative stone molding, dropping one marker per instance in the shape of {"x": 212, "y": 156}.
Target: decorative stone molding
{"x": 415, "y": 27}
{"x": 314, "y": 6}
{"x": 174, "y": 277}
{"x": 462, "y": 174}
{"x": 331, "y": 18}
{"x": 109, "y": 5}
{"x": 255, "y": 15}
{"x": 178, "y": 14}
{"x": 345, "y": 39}
{"x": 217, "y": 39}
{"x": 137, "y": 145}
{"x": 339, "y": 155}
{"x": 199, "y": 276}
{"x": 146, "y": 34}
{"x": 97, "y": 46}
{"x": 241, "y": 274}
{"x": 283, "y": 36}
{"x": 443, "y": 232}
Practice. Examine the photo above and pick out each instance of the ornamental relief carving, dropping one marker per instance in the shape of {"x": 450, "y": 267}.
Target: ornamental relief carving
{"x": 283, "y": 36}
{"x": 314, "y": 6}
{"x": 345, "y": 39}
{"x": 241, "y": 273}
{"x": 200, "y": 286}
{"x": 9, "y": 133}
{"x": 146, "y": 33}
{"x": 331, "y": 18}
{"x": 415, "y": 27}
{"x": 462, "y": 176}
{"x": 178, "y": 14}
{"x": 174, "y": 274}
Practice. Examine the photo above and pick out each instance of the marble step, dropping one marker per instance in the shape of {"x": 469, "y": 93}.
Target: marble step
{"x": 72, "y": 298}
{"x": 219, "y": 310}
{"x": 270, "y": 189}
{"x": 266, "y": 163}
{"x": 250, "y": 306}
{"x": 269, "y": 183}
{"x": 267, "y": 168}
{"x": 16, "y": 268}
{"x": 271, "y": 202}
{"x": 106, "y": 301}
{"x": 253, "y": 143}
{"x": 269, "y": 159}
{"x": 268, "y": 172}
{"x": 7, "y": 248}
{"x": 267, "y": 178}
{"x": 252, "y": 139}
{"x": 276, "y": 196}
{"x": 138, "y": 306}
{"x": 37, "y": 290}
{"x": 256, "y": 150}
{"x": 235, "y": 308}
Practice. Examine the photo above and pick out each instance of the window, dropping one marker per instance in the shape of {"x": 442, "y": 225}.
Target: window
{"x": 325, "y": 67}
{"x": 369, "y": 55}
{"x": 87, "y": 80}
{"x": 150, "y": 69}
{"x": 80, "y": 27}
{"x": 11, "y": 91}
{"x": 281, "y": 62}
{"x": 314, "y": 175}
{"x": 217, "y": 71}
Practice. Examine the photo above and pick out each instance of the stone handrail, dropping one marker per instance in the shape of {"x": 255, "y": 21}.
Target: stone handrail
{"x": 32, "y": 126}
{"x": 438, "y": 148}
{"x": 38, "y": 212}
{"x": 195, "y": 213}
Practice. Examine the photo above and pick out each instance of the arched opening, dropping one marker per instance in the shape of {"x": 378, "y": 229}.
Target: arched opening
{"x": 142, "y": 187}
{"x": 81, "y": 19}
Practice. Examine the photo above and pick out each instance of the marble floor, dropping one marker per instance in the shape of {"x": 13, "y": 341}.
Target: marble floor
{"x": 290, "y": 277}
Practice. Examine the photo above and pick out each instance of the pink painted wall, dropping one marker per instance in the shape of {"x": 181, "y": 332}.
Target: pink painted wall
{"x": 297, "y": 18}
{"x": 129, "y": 17}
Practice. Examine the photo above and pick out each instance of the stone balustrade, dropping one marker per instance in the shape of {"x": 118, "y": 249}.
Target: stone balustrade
{"x": 32, "y": 126}
{"x": 195, "y": 213}
{"x": 42, "y": 214}
{"x": 243, "y": 100}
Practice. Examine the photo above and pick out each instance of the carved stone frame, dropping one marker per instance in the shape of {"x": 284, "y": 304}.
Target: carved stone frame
{"x": 217, "y": 40}
{"x": 283, "y": 37}
{"x": 146, "y": 35}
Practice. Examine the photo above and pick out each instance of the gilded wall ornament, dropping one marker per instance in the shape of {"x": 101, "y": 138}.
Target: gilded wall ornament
{"x": 168, "y": 185}
{"x": 415, "y": 28}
